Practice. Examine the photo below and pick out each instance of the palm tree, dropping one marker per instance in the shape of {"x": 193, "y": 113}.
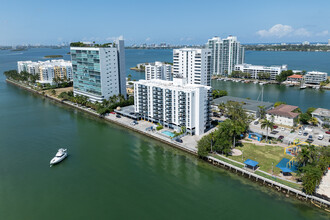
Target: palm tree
{"x": 262, "y": 111}
{"x": 212, "y": 140}
{"x": 222, "y": 108}
{"x": 267, "y": 124}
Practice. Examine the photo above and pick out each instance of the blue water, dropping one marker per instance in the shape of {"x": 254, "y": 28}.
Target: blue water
{"x": 291, "y": 95}
{"x": 168, "y": 133}
{"x": 309, "y": 61}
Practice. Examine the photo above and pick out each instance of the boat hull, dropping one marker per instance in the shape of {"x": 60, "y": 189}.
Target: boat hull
{"x": 58, "y": 160}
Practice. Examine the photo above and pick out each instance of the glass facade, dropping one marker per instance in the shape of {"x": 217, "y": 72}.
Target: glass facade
{"x": 86, "y": 71}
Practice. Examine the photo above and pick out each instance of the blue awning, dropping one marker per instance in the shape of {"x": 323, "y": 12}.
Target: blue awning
{"x": 285, "y": 164}
{"x": 256, "y": 134}
{"x": 251, "y": 163}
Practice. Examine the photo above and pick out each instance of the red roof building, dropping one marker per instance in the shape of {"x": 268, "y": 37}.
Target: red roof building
{"x": 295, "y": 78}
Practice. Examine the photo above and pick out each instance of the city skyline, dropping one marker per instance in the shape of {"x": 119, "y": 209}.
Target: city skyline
{"x": 173, "y": 23}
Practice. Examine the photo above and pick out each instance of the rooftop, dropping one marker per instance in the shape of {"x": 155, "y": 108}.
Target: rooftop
{"x": 89, "y": 44}
{"x": 246, "y": 65}
{"x": 317, "y": 73}
{"x": 322, "y": 112}
{"x": 248, "y": 104}
{"x": 177, "y": 83}
{"x": 284, "y": 110}
{"x": 296, "y": 76}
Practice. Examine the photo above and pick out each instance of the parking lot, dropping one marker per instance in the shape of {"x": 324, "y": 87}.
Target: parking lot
{"x": 289, "y": 137}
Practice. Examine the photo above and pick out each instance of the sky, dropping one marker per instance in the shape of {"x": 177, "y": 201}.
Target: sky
{"x": 170, "y": 21}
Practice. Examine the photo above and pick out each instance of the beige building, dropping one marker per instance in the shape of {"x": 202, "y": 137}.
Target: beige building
{"x": 283, "y": 115}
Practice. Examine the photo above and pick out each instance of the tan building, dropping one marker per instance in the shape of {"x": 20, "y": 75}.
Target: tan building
{"x": 283, "y": 115}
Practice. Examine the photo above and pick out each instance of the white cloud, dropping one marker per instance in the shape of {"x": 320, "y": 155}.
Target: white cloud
{"x": 302, "y": 32}
{"x": 281, "y": 30}
{"x": 148, "y": 39}
{"x": 323, "y": 33}
{"x": 278, "y": 30}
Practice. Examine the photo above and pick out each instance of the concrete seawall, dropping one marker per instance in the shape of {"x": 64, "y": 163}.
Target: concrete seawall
{"x": 321, "y": 203}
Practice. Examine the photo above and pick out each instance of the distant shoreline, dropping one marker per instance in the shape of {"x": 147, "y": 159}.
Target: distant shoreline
{"x": 53, "y": 56}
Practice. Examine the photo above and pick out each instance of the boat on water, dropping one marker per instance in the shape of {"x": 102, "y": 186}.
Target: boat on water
{"x": 289, "y": 85}
{"x": 255, "y": 82}
{"x": 303, "y": 87}
{"x": 262, "y": 83}
{"x": 60, "y": 155}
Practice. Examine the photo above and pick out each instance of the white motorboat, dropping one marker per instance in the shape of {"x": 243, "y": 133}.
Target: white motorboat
{"x": 60, "y": 155}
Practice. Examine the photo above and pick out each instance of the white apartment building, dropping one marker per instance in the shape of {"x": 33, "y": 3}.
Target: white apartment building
{"x": 193, "y": 65}
{"x": 225, "y": 54}
{"x": 98, "y": 70}
{"x": 47, "y": 70}
{"x": 255, "y": 69}
{"x": 158, "y": 70}
{"x": 314, "y": 77}
{"x": 174, "y": 104}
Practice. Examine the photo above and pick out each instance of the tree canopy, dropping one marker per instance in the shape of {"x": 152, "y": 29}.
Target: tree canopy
{"x": 283, "y": 75}
{"x": 224, "y": 137}
{"x": 216, "y": 93}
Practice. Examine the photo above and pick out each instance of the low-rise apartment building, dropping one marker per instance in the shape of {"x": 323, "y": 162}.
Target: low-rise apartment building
{"x": 322, "y": 115}
{"x": 174, "y": 104}
{"x": 315, "y": 77}
{"x": 283, "y": 115}
{"x": 47, "y": 70}
{"x": 254, "y": 70}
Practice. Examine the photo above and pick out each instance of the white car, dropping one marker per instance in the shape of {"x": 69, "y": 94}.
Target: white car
{"x": 282, "y": 129}
{"x": 300, "y": 133}
{"x": 320, "y": 137}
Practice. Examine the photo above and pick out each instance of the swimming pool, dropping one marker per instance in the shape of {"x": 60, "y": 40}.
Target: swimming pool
{"x": 168, "y": 133}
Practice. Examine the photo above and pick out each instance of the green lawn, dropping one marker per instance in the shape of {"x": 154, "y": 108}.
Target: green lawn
{"x": 228, "y": 161}
{"x": 265, "y": 155}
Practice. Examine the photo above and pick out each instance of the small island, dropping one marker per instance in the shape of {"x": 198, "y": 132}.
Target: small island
{"x": 53, "y": 56}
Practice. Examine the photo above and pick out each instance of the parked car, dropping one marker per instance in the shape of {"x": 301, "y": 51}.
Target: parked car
{"x": 118, "y": 116}
{"x": 305, "y": 133}
{"x": 134, "y": 123}
{"x": 113, "y": 113}
{"x": 327, "y": 132}
{"x": 178, "y": 140}
{"x": 256, "y": 122}
{"x": 320, "y": 137}
{"x": 274, "y": 132}
{"x": 281, "y": 137}
{"x": 310, "y": 139}
{"x": 300, "y": 133}
{"x": 275, "y": 126}
{"x": 282, "y": 129}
